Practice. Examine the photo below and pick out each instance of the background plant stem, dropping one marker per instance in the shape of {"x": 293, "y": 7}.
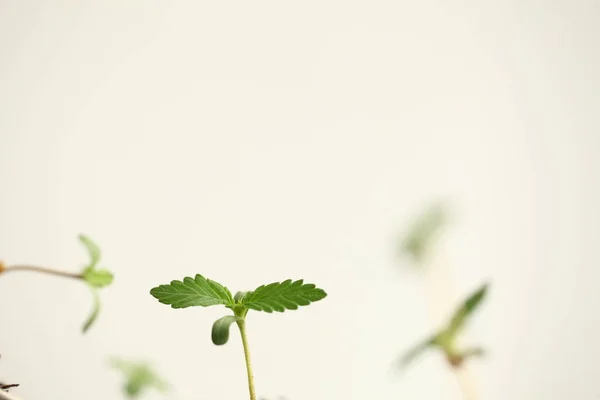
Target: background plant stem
{"x": 242, "y": 325}
{"x": 466, "y": 383}
{"x": 43, "y": 270}
{"x": 440, "y": 290}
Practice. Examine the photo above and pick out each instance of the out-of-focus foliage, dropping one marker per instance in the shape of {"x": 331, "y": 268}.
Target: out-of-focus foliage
{"x": 423, "y": 231}
{"x": 139, "y": 377}
{"x": 95, "y": 277}
{"x": 446, "y": 338}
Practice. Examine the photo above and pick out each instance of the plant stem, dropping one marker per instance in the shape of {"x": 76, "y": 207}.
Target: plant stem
{"x": 440, "y": 290}
{"x": 43, "y": 270}
{"x": 241, "y": 323}
{"x": 466, "y": 383}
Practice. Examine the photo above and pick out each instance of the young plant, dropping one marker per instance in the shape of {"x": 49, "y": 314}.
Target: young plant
{"x": 199, "y": 291}
{"x": 139, "y": 377}
{"x": 93, "y": 276}
{"x": 446, "y": 338}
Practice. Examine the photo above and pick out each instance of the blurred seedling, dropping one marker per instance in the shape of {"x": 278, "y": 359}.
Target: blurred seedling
{"x": 138, "y": 378}
{"x": 423, "y": 231}
{"x": 94, "y": 277}
{"x": 446, "y": 338}
{"x": 199, "y": 291}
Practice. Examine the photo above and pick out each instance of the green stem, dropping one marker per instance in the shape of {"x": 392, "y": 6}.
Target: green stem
{"x": 242, "y": 325}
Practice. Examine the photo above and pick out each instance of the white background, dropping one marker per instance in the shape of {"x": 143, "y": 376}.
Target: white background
{"x": 254, "y": 141}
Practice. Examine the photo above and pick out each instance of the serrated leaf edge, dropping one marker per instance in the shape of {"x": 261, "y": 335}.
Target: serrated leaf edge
{"x": 249, "y": 299}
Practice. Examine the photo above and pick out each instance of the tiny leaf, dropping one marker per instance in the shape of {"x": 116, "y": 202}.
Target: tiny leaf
{"x": 467, "y": 308}
{"x": 282, "y": 296}
{"x": 98, "y": 278}
{"x": 190, "y": 292}
{"x": 220, "y": 329}
{"x": 94, "y": 313}
{"x": 239, "y": 296}
{"x": 95, "y": 278}
{"x": 92, "y": 248}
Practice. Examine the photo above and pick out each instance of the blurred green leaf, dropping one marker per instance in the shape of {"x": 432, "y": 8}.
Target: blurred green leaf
{"x": 95, "y": 278}
{"x": 423, "y": 231}
{"x": 92, "y": 248}
{"x": 473, "y": 352}
{"x": 138, "y": 377}
{"x": 466, "y": 309}
{"x": 445, "y": 339}
{"x": 417, "y": 350}
{"x": 220, "y": 329}
{"x": 94, "y": 313}
{"x": 98, "y": 278}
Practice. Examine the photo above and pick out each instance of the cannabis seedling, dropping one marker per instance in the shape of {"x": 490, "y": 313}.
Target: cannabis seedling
{"x": 139, "y": 377}
{"x": 93, "y": 276}
{"x": 199, "y": 291}
{"x": 446, "y": 338}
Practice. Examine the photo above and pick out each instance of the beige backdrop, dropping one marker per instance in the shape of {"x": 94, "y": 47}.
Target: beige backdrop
{"x": 254, "y": 141}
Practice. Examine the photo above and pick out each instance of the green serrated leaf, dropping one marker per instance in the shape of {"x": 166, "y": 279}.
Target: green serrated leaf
{"x": 138, "y": 377}
{"x": 220, "y": 329}
{"x": 93, "y": 314}
{"x": 281, "y": 296}
{"x": 469, "y": 305}
{"x": 92, "y": 248}
{"x": 198, "y": 291}
{"x": 97, "y": 278}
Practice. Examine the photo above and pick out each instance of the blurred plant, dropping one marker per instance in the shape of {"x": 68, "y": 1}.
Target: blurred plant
{"x": 93, "y": 276}
{"x": 139, "y": 377}
{"x": 423, "y": 231}
{"x": 418, "y": 244}
{"x": 199, "y": 291}
{"x": 446, "y": 338}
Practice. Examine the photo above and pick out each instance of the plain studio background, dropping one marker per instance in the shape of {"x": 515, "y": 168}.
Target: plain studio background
{"x": 254, "y": 141}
